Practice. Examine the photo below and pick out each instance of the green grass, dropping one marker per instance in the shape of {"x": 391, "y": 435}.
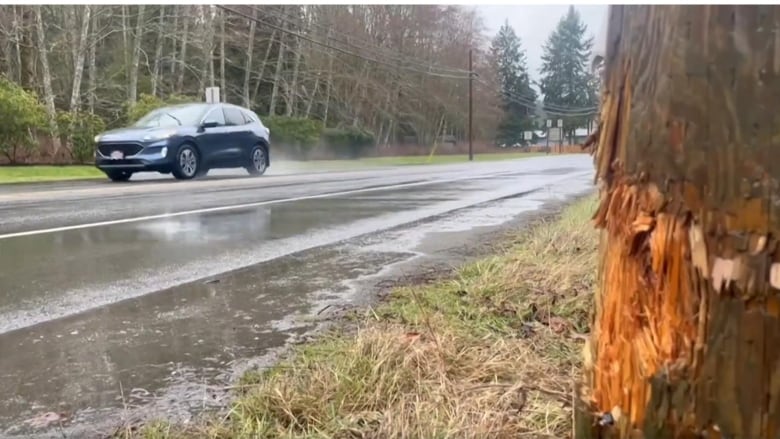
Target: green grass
{"x": 489, "y": 353}
{"x": 30, "y": 174}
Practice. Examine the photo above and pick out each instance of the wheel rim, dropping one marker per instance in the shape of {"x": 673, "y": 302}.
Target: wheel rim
{"x": 188, "y": 162}
{"x": 258, "y": 159}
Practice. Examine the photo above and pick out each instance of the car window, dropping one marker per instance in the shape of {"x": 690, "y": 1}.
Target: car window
{"x": 215, "y": 115}
{"x": 173, "y": 116}
{"x": 248, "y": 117}
{"x": 233, "y": 117}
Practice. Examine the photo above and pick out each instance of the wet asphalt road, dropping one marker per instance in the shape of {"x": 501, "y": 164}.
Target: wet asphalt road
{"x": 156, "y": 293}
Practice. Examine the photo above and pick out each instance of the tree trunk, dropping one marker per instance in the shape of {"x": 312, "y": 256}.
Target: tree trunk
{"x": 158, "y": 50}
{"x": 207, "y": 70}
{"x": 277, "y": 74}
{"x": 313, "y": 96}
{"x": 173, "y": 40}
{"x": 359, "y": 94}
{"x": 92, "y": 62}
{"x": 328, "y": 88}
{"x": 261, "y": 71}
{"x": 686, "y": 334}
{"x": 249, "y": 51}
{"x": 222, "y": 81}
{"x": 81, "y": 53}
{"x": 125, "y": 37}
{"x": 133, "y": 91}
{"x": 71, "y": 23}
{"x": 293, "y": 88}
{"x": 183, "y": 55}
{"x": 48, "y": 94}
{"x": 17, "y": 43}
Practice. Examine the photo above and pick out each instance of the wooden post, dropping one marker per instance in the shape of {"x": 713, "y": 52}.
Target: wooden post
{"x": 686, "y": 334}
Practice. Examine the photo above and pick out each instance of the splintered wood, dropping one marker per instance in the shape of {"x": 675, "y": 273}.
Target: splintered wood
{"x": 686, "y": 334}
{"x": 648, "y": 316}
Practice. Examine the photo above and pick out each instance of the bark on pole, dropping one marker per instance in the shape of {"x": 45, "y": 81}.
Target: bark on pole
{"x": 686, "y": 335}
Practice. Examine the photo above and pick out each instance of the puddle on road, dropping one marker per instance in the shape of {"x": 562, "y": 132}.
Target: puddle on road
{"x": 175, "y": 345}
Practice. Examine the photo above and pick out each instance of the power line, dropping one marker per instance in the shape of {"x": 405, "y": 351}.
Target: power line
{"x": 551, "y": 109}
{"x": 547, "y": 106}
{"x": 533, "y": 106}
{"x": 337, "y": 49}
{"x": 449, "y": 73}
{"x": 398, "y": 56}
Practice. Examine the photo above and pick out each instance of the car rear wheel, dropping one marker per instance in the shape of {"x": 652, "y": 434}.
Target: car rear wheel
{"x": 187, "y": 163}
{"x": 258, "y": 162}
{"x": 119, "y": 175}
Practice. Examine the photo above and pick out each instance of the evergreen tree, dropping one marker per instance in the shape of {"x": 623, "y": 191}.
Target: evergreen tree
{"x": 512, "y": 70}
{"x": 567, "y": 81}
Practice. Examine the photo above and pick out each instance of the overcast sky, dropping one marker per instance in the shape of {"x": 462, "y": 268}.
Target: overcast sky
{"x": 534, "y": 23}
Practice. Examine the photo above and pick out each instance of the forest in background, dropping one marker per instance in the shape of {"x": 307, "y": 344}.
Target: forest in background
{"x": 353, "y": 77}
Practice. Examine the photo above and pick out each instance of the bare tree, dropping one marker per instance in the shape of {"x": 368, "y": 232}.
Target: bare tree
{"x": 92, "y": 62}
{"x": 48, "y": 93}
{"x": 183, "y": 55}
{"x": 261, "y": 71}
{"x": 81, "y": 52}
{"x": 277, "y": 73}
{"x": 249, "y": 53}
{"x": 158, "y": 50}
{"x": 139, "y": 32}
{"x": 222, "y": 81}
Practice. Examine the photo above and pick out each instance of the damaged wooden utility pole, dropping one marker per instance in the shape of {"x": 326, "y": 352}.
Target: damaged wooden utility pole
{"x": 686, "y": 335}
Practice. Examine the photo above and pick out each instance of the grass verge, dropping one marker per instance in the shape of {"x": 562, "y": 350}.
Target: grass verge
{"x": 33, "y": 174}
{"x": 490, "y": 353}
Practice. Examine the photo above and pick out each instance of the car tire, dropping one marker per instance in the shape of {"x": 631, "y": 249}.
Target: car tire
{"x": 187, "y": 163}
{"x": 119, "y": 175}
{"x": 258, "y": 160}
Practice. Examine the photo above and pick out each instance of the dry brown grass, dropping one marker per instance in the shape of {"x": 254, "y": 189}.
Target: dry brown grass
{"x": 492, "y": 353}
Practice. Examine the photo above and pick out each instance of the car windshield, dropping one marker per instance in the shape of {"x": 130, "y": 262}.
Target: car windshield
{"x": 173, "y": 116}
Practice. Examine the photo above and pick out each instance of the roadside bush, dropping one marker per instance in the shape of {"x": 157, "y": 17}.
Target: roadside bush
{"x": 22, "y": 115}
{"x": 350, "y": 142}
{"x": 78, "y": 130}
{"x": 147, "y": 103}
{"x": 296, "y": 135}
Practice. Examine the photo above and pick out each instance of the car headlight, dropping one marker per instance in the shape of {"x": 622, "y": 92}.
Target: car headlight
{"x": 159, "y": 135}
{"x": 97, "y": 138}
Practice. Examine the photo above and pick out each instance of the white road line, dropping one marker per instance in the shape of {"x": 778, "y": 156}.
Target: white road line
{"x": 241, "y": 206}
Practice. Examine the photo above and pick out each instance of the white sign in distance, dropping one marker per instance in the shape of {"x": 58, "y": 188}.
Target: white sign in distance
{"x": 555, "y": 134}
{"x": 212, "y": 95}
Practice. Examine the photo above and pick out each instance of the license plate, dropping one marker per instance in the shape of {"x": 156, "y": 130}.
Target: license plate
{"x": 117, "y": 155}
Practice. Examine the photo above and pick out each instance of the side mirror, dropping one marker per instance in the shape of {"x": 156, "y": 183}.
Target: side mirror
{"x": 211, "y": 124}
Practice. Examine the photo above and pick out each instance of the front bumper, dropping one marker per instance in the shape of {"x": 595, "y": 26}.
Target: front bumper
{"x": 155, "y": 157}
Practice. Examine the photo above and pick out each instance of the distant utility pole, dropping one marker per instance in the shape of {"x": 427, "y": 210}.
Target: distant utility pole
{"x": 471, "y": 106}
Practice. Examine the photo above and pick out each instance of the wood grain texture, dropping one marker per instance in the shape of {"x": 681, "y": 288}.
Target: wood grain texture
{"x": 687, "y": 326}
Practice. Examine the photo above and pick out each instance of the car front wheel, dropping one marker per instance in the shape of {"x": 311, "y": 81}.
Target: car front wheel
{"x": 257, "y": 161}
{"x": 119, "y": 175}
{"x": 187, "y": 163}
